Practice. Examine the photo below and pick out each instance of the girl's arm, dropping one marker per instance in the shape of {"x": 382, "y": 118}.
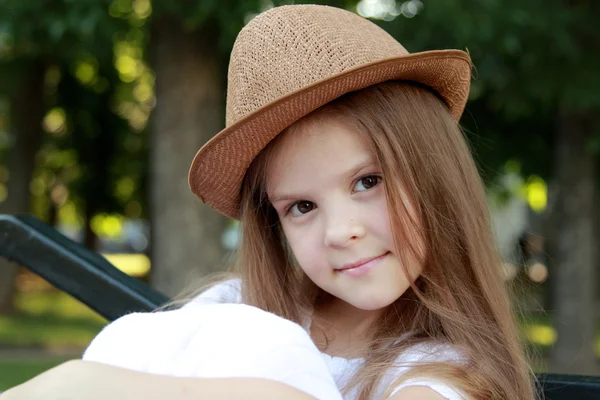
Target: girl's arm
{"x": 83, "y": 380}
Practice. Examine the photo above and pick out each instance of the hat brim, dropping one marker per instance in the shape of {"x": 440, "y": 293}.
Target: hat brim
{"x": 218, "y": 169}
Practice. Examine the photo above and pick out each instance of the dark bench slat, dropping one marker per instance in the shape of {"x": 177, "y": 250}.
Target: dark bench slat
{"x": 569, "y": 387}
{"x": 71, "y": 267}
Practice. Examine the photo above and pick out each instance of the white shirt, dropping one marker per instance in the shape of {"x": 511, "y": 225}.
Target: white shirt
{"x": 216, "y": 336}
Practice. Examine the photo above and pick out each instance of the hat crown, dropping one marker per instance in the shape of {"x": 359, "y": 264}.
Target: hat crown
{"x": 290, "y": 47}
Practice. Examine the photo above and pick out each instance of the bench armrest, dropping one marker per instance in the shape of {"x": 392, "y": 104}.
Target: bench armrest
{"x": 71, "y": 267}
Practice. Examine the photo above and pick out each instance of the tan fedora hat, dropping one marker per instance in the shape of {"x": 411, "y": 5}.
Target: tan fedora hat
{"x": 291, "y": 60}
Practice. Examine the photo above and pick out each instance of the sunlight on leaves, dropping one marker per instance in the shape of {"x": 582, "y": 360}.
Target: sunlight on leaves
{"x": 142, "y": 8}
{"x": 127, "y": 68}
{"x": 388, "y": 10}
{"x": 143, "y": 92}
{"x": 127, "y": 60}
{"x": 537, "y": 193}
{"x": 541, "y": 334}
{"x": 120, "y": 8}
{"x": 54, "y": 121}
{"x": 68, "y": 215}
{"x": 86, "y": 71}
{"x": 125, "y": 188}
{"x": 56, "y": 159}
{"x": 37, "y": 187}
{"x": 131, "y": 264}
{"x": 107, "y": 225}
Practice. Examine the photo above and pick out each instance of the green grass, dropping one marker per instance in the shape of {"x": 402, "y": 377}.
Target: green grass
{"x": 49, "y": 320}
{"x": 17, "y": 371}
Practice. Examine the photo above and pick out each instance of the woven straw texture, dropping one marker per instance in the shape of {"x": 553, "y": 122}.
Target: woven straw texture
{"x": 291, "y": 60}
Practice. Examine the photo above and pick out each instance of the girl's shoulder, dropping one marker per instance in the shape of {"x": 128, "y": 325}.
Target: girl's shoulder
{"x": 421, "y": 353}
{"x": 414, "y": 355}
{"x": 229, "y": 291}
{"x": 429, "y": 351}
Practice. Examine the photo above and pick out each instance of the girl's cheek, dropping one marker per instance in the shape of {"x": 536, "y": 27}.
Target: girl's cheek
{"x": 378, "y": 220}
{"x": 306, "y": 251}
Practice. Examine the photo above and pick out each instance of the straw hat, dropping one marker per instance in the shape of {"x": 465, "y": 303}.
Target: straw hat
{"x": 291, "y": 60}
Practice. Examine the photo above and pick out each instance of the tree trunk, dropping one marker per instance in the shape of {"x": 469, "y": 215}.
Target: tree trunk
{"x": 27, "y": 111}
{"x": 186, "y": 235}
{"x": 90, "y": 240}
{"x": 574, "y": 247}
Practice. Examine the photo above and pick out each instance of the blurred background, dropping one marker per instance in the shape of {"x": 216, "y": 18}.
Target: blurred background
{"x": 103, "y": 104}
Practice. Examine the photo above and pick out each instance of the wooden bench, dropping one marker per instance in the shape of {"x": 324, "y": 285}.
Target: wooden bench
{"x": 91, "y": 279}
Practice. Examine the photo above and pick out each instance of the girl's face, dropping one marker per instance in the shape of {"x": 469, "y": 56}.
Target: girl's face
{"x": 328, "y": 191}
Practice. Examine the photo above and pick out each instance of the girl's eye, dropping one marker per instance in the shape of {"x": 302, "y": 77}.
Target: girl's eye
{"x": 366, "y": 183}
{"x": 301, "y": 208}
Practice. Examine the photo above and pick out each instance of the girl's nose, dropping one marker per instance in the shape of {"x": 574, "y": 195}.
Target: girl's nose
{"x": 343, "y": 234}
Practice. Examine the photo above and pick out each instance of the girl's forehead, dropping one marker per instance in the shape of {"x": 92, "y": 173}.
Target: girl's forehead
{"x": 322, "y": 147}
{"x": 309, "y": 137}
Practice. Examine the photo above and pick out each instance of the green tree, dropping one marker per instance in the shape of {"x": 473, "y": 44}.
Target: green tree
{"x": 27, "y": 110}
{"x": 36, "y": 36}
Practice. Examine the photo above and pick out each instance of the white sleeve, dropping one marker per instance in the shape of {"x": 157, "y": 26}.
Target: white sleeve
{"x": 124, "y": 342}
{"x": 121, "y": 343}
{"x": 244, "y": 341}
{"x": 443, "y": 389}
{"x": 216, "y": 341}
{"x": 140, "y": 341}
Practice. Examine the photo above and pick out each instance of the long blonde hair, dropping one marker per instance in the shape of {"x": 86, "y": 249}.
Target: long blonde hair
{"x": 459, "y": 299}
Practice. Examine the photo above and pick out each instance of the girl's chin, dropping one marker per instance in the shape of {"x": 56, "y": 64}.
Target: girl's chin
{"x": 366, "y": 302}
{"x": 372, "y": 301}
{"x": 369, "y": 305}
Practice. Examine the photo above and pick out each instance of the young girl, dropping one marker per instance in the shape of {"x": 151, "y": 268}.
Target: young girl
{"x": 366, "y": 265}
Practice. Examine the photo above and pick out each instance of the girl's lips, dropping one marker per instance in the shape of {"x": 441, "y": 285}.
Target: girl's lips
{"x": 362, "y": 267}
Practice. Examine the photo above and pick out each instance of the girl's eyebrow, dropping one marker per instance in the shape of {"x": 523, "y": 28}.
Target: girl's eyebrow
{"x": 351, "y": 172}
{"x": 369, "y": 162}
{"x": 278, "y": 198}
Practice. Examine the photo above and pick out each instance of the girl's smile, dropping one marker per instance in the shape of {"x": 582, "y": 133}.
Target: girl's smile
{"x": 361, "y": 267}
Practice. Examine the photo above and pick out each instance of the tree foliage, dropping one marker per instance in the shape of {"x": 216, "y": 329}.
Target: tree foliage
{"x": 531, "y": 58}
{"x": 91, "y": 81}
